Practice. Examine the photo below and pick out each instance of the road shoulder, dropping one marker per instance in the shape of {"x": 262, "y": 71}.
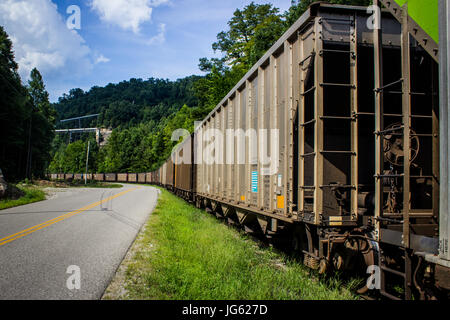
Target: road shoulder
{"x": 116, "y": 290}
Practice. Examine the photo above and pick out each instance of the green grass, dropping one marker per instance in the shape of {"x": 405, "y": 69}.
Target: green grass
{"x": 32, "y": 194}
{"x": 95, "y": 184}
{"x": 90, "y": 184}
{"x": 185, "y": 253}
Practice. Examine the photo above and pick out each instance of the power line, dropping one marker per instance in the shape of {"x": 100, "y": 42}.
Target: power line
{"x": 79, "y": 118}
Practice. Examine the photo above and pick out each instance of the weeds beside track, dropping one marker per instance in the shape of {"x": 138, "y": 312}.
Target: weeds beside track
{"x": 185, "y": 253}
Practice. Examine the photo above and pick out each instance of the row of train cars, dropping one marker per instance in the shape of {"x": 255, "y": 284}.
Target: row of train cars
{"x": 176, "y": 178}
{"x": 107, "y": 177}
{"x": 353, "y": 182}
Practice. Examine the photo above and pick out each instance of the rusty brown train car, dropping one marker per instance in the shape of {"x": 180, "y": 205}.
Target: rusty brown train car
{"x": 122, "y": 177}
{"x": 132, "y": 177}
{"x": 110, "y": 177}
{"x": 142, "y": 177}
{"x": 183, "y": 164}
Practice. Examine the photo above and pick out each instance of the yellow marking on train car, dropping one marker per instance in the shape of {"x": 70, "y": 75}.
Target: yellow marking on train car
{"x": 335, "y": 221}
{"x": 242, "y": 198}
{"x": 280, "y": 202}
{"x": 50, "y": 222}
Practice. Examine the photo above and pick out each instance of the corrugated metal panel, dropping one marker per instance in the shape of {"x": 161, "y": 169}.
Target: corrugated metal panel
{"x": 68, "y": 176}
{"x": 169, "y": 172}
{"x": 132, "y": 177}
{"x": 163, "y": 174}
{"x": 183, "y": 165}
{"x": 241, "y": 151}
{"x": 141, "y": 177}
{"x": 110, "y": 177}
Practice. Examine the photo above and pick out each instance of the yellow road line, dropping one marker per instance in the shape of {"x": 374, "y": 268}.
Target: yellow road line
{"x": 48, "y": 223}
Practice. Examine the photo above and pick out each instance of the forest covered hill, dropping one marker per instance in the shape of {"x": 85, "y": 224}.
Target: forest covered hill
{"x": 127, "y": 103}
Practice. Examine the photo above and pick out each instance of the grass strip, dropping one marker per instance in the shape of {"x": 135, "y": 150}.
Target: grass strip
{"x": 95, "y": 184}
{"x": 32, "y": 194}
{"x": 79, "y": 184}
{"x": 185, "y": 253}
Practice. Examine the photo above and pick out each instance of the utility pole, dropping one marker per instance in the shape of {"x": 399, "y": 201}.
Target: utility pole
{"x": 87, "y": 163}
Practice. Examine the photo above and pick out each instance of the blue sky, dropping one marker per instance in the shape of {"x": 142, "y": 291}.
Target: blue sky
{"x": 118, "y": 39}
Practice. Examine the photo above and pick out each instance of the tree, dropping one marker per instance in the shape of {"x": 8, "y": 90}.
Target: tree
{"x": 216, "y": 84}
{"x": 40, "y": 97}
{"x": 26, "y": 118}
{"x": 265, "y": 35}
{"x": 234, "y": 43}
{"x": 298, "y": 7}
{"x": 14, "y": 113}
{"x": 252, "y": 31}
{"x": 71, "y": 158}
{"x": 41, "y": 127}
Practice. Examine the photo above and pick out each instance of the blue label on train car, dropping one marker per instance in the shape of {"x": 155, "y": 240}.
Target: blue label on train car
{"x": 255, "y": 181}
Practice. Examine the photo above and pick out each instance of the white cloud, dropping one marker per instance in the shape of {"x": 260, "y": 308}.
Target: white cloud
{"x": 127, "y": 14}
{"x": 156, "y": 3}
{"x": 160, "y": 37}
{"x": 42, "y": 40}
{"x": 101, "y": 59}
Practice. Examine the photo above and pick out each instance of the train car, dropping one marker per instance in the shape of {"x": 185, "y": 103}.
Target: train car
{"x": 78, "y": 176}
{"x": 183, "y": 159}
{"x": 163, "y": 170}
{"x": 170, "y": 170}
{"x": 110, "y": 177}
{"x": 132, "y": 177}
{"x": 167, "y": 174}
{"x": 69, "y": 176}
{"x": 156, "y": 177}
{"x": 99, "y": 177}
{"x": 122, "y": 177}
{"x": 142, "y": 177}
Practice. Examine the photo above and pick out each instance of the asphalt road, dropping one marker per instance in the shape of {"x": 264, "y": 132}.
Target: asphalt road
{"x": 44, "y": 245}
